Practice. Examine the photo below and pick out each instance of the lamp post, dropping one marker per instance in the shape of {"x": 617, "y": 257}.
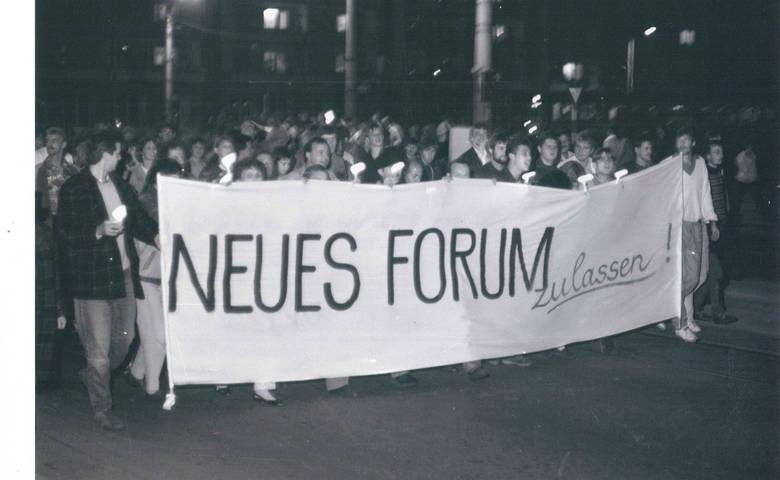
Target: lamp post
{"x": 350, "y": 70}
{"x": 631, "y": 60}
{"x": 573, "y": 73}
{"x": 170, "y": 10}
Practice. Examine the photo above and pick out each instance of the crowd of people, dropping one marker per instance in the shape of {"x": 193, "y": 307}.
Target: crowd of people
{"x": 97, "y": 250}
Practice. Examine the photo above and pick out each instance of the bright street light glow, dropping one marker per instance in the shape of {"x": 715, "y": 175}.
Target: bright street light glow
{"x": 536, "y": 98}
{"x": 533, "y": 129}
{"x": 527, "y": 122}
{"x": 650, "y": 31}
{"x": 437, "y": 72}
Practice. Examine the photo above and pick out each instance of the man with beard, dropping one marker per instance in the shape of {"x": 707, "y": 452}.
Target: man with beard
{"x": 496, "y": 167}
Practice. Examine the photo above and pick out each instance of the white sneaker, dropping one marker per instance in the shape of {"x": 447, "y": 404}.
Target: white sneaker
{"x": 687, "y": 335}
{"x": 661, "y": 326}
{"x": 693, "y": 326}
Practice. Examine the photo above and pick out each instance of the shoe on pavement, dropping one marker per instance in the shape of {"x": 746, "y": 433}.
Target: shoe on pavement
{"x": 109, "y": 421}
{"x": 265, "y": 397}
{"x": 405, "y": 380}
{"x": 517, "y": 360}
{"x": 661, "y": 326}
{"x": 223, "y": 389}
{"x": 693, "y": 326}
{"x": 478, "y": 374}
{"x": 687, "y": 335}
{"x": 132, "y": 381}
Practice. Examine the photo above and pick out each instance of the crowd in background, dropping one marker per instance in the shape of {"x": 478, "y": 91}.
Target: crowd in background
{"x": 81, "y": 179}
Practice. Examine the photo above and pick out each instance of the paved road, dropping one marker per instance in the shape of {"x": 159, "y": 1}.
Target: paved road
{"x": 656, "y": 408}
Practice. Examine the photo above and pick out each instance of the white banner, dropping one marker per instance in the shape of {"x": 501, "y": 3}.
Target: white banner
{"x": 285, "y": 280}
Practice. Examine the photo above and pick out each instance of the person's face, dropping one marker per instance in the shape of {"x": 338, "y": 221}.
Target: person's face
{"x": 376, "y": 138}
{"x": 224, "y": 148}
{"x": 319, "y": 155}
{"x": 54, "y": 143}
{"x": 177, "y": 154}
{"x": 248, "y": 129}
{"x": 521, "y": 159}
{"x": 644, "y": 151}
{"x": 442, "y": 133}
{"x": 251, "y": 175}
{"x": 388, "y": 177}
{"x": 684, "y": 144}
{"x": 284, "y": 165}
{"x": 548, "y": 151}
{"x": 112, "y": 159}
{"x": 428, "y": 154}
{"x": 715, "y": 155}
{"x": 582, "y": 150}
{"x": 499, "y": 152}
{"x": 267, "y": 161}
{"x": 149, "y": 152}
{"x": 166, "y": 134}
{"x": 411, "y": 150}
{"x": 605, "y": 164}
{"x": 198, "y": 150}
{"x": 458, "y": 170}
{"x": 478, "y": 138}
{"x": 563, "y": 139}
{"x": 413, "y": 174}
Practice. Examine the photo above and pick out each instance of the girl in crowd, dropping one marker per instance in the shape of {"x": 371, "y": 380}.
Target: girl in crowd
{"x": 197, "y": 161}
{"x": 148, "y": 158}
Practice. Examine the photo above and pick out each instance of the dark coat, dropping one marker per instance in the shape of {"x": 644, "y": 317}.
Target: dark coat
{"x": 471, "y": 159}
{"x": 95, "y": 265}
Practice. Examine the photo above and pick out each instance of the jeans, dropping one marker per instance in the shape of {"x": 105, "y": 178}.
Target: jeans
{"x": 106, "y": 329}
{"x": 691, "y": 269}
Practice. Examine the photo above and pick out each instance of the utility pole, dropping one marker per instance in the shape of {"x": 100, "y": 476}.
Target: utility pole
{"x": 483, "y": 42}
{"x": 350, "y": 67}
{"x": 169, "y": 12}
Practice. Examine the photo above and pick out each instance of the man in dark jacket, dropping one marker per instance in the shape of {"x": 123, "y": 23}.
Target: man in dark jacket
{"x": 477, "y": 155}
{"x": 103, "y": 266}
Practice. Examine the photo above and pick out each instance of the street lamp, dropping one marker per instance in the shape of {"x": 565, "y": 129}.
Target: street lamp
{"x": 573, "y": 73}
{"x": 631, "y": 59}
{"x": 170, "y": 11}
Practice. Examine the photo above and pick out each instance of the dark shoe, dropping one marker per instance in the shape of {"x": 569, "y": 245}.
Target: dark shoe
{"x": 478, "y": 374}
{"x": 157, "y": 396}
{"x": 723, "y": 319}
{"x": 606, "y": 345}
{"x": 271, "y": 402}
{"x": 223, "y": 390}
{"x": 109, "y": 421}
{"x": 405, "y": 380}
{"x": 132, "y": 381}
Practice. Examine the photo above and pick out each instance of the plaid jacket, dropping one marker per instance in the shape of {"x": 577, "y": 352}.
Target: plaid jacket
{"x": 94, "y": 265}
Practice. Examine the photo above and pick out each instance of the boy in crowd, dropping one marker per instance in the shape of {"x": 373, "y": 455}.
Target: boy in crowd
{"x": 712, "y": 288}
{"x": 643, "y": 153}
{"x": 697, "y": 210}
{"x": 427, "y": 149}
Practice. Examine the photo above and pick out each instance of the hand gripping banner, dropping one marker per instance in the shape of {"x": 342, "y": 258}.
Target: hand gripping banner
{"x": 283, "y": 281}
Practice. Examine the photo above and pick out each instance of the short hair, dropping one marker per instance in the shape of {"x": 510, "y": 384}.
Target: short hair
{"x": 281, "y": 152}
{"x": 478, "y": 126}
{"x": 55, "y": 131}
{"x": 310, "y": 144}
{"x": 598, "y": 153}
{"x": 247, "y": 164}
{"x": 586, "y": 136}
{"x": 172, "y": 145}
{"x": 643, "y": 136}
{"x": 312, "y": 169}
{"x": 544, "y": 135}
{"x": 498, "y": 138}
{"x": 198, "y": 139}
{"x": 461, "y": 164}
{"x": 714, "y": 143}
{"x": 223, "y": 138}
{"x": 684, "y": 131}
{"x": 103, "y": 142}
{"x": 516, "y": 141}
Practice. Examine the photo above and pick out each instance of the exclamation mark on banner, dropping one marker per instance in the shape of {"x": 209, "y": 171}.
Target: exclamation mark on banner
{"x": 668, "y": 241}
